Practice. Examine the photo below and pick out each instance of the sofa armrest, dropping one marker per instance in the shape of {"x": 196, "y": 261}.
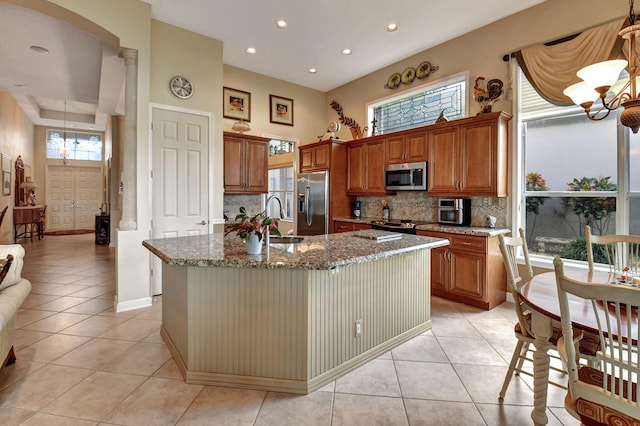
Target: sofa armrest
{"x": 10, "y": 300}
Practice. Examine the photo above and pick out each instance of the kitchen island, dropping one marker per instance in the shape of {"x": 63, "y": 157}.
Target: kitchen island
{"x": 296, "y": 318}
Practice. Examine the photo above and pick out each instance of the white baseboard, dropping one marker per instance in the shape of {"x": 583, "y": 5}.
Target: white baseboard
{"x": 134, "y": 304}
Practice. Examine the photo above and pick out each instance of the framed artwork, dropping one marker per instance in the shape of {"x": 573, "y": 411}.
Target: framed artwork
{"x": 6, "y": 163}
{"x": 281, "y": 110}
{"x": 6, "y": 183}
{"x": 236, "y": 104}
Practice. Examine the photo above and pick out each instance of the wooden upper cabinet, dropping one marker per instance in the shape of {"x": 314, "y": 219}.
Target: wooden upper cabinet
{"x": 468, "y": 157}
{"x": 316, "y": 156}
{"x": 444, "y": 150}
{"x": 406, "y": 147}
{"x": 366, "y": 167}
{"x": 245, "y": 164}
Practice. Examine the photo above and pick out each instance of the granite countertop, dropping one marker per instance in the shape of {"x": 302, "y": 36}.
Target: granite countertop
{"x": 314, "y": 252}
{"x": 436, "y": 227}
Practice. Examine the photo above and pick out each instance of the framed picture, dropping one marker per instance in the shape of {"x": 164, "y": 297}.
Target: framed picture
{"x": 236, "y": 104}
{"x": 281, "y": 110}
{"x": 6, "y": 163}
{"x": 6, "y": 183}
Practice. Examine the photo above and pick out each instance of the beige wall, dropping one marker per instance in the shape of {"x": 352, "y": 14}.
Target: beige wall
{"x": 175, "y": 51}
{"x": 308, "y": 105}
{"x": 16, "y": 138}
{"x": 479, "y": 52}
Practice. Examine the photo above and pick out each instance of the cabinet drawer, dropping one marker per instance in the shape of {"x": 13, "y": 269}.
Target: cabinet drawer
{"x": 468, "y": 242}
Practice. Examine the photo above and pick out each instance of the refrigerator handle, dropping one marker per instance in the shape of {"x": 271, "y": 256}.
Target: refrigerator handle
{"x": 307, "y": 212}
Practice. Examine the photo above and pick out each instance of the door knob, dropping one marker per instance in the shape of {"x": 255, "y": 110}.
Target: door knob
{"x": 204, "y": 222}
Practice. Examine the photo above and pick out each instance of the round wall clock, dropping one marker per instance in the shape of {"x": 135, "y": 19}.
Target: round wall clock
{"x": 408, "y": 75}
{"x": 181, "y": 87}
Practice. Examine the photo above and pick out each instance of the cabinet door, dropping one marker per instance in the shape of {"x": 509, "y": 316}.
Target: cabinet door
{"x": 478, "y": 145}
{"x": 233, "y": 165}
{"x": 439, "y": 271}
{"x": 416, "y": 147}
{"x": 375, "y": 167}
{"x": 322, "y": 157}
{"x": 356, "y": 168}
{"x": 443, "y": 156}
{"x": 394, "y": 150}
{"x": 256, "y": 167}
{"x": 306, "y": 158}
{"x": 467, "y": 275}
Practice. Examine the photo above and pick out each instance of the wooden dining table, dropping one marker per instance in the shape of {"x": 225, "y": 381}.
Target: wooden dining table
{"x": 541, "y": 295}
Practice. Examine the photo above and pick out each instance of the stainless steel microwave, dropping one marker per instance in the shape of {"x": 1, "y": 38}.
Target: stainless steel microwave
{"x": 406, "y": 177}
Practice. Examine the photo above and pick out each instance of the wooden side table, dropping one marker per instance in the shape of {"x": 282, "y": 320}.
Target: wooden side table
{"x": 27, "y": 220}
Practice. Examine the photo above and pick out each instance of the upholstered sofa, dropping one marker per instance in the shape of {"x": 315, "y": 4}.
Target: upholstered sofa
{"x": 13, "y": 291}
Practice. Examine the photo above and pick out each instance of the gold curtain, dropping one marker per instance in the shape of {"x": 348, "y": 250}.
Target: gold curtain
{"x": 551, "y": 69}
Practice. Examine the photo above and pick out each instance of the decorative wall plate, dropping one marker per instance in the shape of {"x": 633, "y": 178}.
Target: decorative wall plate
{"x": 394, "y": 80}
{"x": 423, "y": 70}
{"x": 334, "y": 126}
{"x": 408, "y": 75}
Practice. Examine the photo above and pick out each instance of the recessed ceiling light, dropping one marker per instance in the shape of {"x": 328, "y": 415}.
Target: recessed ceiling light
{"x": 281, "y": 24}
{"x": 346, "y": 51}
{"x": 251, "y": 50}
{"x": 39, "y": 49}
{"x": 392, "y": 27}
{"x": 313, "y": 70}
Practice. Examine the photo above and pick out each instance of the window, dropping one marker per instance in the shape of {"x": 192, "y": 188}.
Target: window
{"x": 78, "y": 145}
{"x": 281, "y": 185}
{"x": 421, "y": 106}
{"x": 575, "y": 172}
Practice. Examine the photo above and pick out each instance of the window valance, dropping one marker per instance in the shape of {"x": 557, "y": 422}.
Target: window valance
{"x": 551, "y": 69}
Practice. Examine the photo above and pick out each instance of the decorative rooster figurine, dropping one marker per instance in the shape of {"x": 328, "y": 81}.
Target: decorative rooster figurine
{"x": 486, "y": 97}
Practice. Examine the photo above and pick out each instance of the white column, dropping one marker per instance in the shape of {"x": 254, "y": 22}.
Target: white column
{"x": 129, "y": 211}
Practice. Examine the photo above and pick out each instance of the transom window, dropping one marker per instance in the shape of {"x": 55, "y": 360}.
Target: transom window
{"x": 421, "y": 106}
{"x": 77, "y": 146}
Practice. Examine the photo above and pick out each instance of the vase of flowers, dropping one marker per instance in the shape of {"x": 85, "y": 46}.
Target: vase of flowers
{"x": 252, "y": 229}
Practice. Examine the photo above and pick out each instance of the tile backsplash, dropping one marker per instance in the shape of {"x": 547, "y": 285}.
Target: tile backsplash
{"x": 420, "y": 207}
{"x": 404, "y": 205}
{"x": 232, "y": 204}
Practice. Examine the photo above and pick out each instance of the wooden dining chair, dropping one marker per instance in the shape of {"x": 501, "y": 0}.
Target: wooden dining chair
{"x": 620, "y": 251}
{"x": 606, "y": 395}
{"x": 516, "y": 277}
{"x": 510, "y": 247}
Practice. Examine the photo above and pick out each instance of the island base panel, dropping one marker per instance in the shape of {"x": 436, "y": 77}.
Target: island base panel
{"x": 291, "y": 330}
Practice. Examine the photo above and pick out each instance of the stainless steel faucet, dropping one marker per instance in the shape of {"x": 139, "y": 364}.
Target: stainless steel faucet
{"x": 266, "y": 206}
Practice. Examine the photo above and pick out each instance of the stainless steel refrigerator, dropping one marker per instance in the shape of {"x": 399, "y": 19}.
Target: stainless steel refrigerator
{"x": 313, "y": 203}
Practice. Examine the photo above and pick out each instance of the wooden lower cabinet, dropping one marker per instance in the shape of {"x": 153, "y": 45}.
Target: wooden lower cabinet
{"x": 469, "y": 270}
{"x": 342, "y": 226}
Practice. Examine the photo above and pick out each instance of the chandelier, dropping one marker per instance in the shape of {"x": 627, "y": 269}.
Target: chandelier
{"x": 601, "y": 76}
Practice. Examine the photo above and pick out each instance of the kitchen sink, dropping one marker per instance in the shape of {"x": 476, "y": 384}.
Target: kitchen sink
{"x": 285, "y": 240}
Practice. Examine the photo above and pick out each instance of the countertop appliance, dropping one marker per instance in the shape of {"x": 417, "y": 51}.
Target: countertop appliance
{"x": 403, "y": 226}
{"x": 313, "y": 203}
{"x": 454, "y": 211}
{"x": 406, "y": 176}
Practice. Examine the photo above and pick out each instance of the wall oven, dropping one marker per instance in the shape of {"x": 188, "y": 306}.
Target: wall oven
{"x": 406, "y": 177}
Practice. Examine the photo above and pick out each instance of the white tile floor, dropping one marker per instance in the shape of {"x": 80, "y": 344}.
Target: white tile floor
{"x": 81, "y": 363}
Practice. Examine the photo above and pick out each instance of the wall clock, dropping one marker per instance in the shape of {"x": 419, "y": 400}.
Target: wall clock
{"x": 181, "y": 87}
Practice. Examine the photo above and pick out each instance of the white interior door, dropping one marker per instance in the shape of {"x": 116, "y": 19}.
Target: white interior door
{"x": 180, "y": 178}
{"x": 74, "y": 195}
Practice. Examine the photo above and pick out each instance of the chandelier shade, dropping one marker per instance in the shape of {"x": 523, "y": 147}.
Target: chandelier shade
{"x": 600, "y": 78}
